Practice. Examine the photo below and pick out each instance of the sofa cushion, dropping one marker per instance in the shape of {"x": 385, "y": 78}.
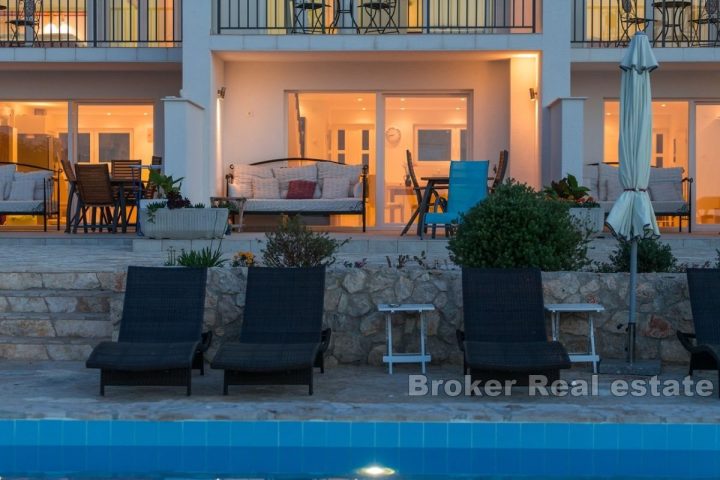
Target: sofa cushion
{"x": 302, "y": 206}
{"x": 7, "y": 172}
{"x": 662, "y": 175}
{"x": 4, "y": 189}
{"x": 608, "y": 183}
{"x": 590, "y": 180}
{"x": 661, "y": 207}
{"x": 265, "y": 188}
{"x": 25, "y": 206}
{"x": 243, "y": 176}
{"x": 334, "y": 170}
{"x": 287, "y": 174}
{"x": 300, "y": 190}
{"x": 336, "y": 187}
{"x": 22, "y": 190}
{"x": 39, "y": 177}
{"x": 666, "y": 192}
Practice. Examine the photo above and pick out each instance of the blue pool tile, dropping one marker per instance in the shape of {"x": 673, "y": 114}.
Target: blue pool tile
{"x": 580, "y": 435}
{"x": 292, "y": 458}
{"x": 98, "y": 457}
{"x": 98, "y": 433}
{"x": 459, "y": 461}
{"x": 532, "y": 435}
{"x": 484, "y": 435}
{"x": 290, "y": 434}
{"x": 313, "y": 434}
{"x": 194, "y": 433}
{"x": 146, "y": 433}
{"x": 459, "y": 435}
{"x": 266, "y": 434}
{"x": 654, "y": 436}
{"x": 679, "y": 437}
{"x": 122, "y": 433}
{"x": 362, "y": 434}
{"x": 508, "y": 435}
{"x": 338, "y": 434}
{"x": 387, "y": 435}
{"x": 242, "y": 434}
{"x": 557, "y": 435}
{"x": 74, "y": 432}
{"x": 704, "y": 437}
{"x": 193, "y": 459}
{"x": 629, "y": 436}
{"x": 7, "y": 432}
{"x": 435, "y": 435}
{"x": 169, "y": 434}
{"x": 606, "y": 436}
{"x": 410, "y": 435}
{"x": 218, "y": 434}
{"x": 435, "y": 461}
{"x": 218, "y": 457}
{"x": 50, "y": 432}
{"x": 26, "y": 432}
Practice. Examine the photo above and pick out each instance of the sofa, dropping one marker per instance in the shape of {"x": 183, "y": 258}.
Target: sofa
{"x": 304, "y": 186}
{"x": 670, "y": 191}
{"x": 34, "y": 192}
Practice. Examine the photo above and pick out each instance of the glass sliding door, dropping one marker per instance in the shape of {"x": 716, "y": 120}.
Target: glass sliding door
{"x": 707, "y": 167}
{"x": 115, "y": 132}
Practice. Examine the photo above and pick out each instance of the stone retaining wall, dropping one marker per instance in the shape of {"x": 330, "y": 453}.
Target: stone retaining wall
{"x": 350, "y": 309}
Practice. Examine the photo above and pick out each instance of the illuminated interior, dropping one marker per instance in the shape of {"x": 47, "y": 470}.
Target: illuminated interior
{"x": 707, "y": 165}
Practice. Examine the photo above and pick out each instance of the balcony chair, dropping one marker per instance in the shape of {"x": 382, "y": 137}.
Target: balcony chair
{"x": 282, "y": 338}
{"x": 380, "y": 16}
{"x": 308, "y": 16}
{"x": 630, "y": 21}
{"x": 505, "y": 337}
{"x": 709, "y": 18}
{"x": 25, "y": 11}
{"x": 499, "y": 170}
{"x": 468, "y": 187}
{"x": 704, "y": 344}
{"x": 160, "y": 330}
{"x": 96, "y": 195}
{"x": 437, "y": 200}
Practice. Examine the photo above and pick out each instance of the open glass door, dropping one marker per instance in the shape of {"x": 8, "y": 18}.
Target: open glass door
{"x": 707, "y": 167}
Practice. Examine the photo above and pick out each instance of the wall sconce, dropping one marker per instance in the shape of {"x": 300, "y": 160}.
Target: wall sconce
{"x": 221, "y": 92}
{"x": 533, "y": 94}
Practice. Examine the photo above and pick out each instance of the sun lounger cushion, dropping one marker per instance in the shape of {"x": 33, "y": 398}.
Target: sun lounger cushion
{"x": 132, "y": 356}
{"x": 265, "y": 357}
{"x": 517, "y": 356}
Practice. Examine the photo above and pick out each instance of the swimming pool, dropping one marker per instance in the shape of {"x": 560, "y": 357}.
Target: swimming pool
{"x": 288, "y": 449}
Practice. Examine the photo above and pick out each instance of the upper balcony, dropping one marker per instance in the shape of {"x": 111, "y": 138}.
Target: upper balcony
{"x": 91, "y": 23}
{"x": 329, "y": 17}
{"x": 668, "y": 23}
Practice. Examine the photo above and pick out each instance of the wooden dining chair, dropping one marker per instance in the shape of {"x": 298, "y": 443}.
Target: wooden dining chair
{"x": 437, "y": 201}
{"x": 71, "y": 215}
{"x": 127, "y": 170}
{"x": 499, "y": 170}
{"x": 96, "y": 195}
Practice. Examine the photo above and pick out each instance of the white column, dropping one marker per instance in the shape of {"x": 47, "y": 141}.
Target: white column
{"x": 565, "y": 147}
{"x": 184, "y": 149}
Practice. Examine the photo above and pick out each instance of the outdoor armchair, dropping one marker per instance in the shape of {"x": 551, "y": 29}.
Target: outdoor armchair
{"x": 704, "y": 344}
{"x": 160, "y": 329}
{"x": 281, "y": 340}
{"x": 505, "y": 336}
{"x": 468, "y": 187}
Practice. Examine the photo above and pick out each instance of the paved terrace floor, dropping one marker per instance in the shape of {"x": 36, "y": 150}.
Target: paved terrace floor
{"x": 67, "y": 390}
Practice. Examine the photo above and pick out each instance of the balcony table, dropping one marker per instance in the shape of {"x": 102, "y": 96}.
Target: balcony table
{"x": 673, "y": 21}
{"x": 344, "y": 16}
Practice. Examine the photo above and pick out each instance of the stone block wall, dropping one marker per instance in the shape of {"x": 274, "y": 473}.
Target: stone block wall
{"x": 62, "y": 315}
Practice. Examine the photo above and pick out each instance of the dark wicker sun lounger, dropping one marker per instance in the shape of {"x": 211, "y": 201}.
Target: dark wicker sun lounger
{"x": 505, "y": 336}
{"x": 282, "y": 338}
{"x": 704, "y": 344}
{"x": 160, "y": 330}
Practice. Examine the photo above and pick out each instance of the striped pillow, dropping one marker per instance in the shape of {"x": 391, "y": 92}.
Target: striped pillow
{"x": 336, "y": 187}
{"x": 265, "y": 188}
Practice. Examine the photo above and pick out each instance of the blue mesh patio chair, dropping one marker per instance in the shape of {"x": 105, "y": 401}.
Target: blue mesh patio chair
{"x": 468, "y": 187}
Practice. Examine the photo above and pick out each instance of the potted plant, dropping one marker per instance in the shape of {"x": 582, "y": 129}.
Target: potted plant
{"x": 173, "y": 216}
{"x": 584, "y": 209}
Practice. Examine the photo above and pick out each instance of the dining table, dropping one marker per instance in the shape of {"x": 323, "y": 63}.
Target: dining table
{"x": 435, "y": 182}
{"x": 122, "y": 185}
{"x": 673, "y": 14}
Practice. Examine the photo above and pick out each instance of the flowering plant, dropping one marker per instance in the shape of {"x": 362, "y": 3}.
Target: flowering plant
{"x": 568, "y": 189}
{"x": 243, "y": 259}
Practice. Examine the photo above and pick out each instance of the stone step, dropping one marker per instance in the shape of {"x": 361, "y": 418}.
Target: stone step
{"x": 59, "y": 348}
{"x": 104, "y": 241}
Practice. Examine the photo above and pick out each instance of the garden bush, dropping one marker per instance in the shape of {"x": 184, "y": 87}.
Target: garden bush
{"x": 518, "y": 227}
{"x": 293, "y": 244}
{"x": 653, "y": 256}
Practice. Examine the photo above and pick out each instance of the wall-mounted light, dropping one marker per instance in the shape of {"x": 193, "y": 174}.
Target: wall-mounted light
{"x": 533, "y": 94}
{"x": 221, "y": 92}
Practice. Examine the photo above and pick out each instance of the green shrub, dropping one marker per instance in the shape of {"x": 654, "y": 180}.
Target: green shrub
{"x": 518, "y": 227}
{"x": 653, "y": 256}
{"x": 205, "y": 258}
{"x": 293, "y": 244}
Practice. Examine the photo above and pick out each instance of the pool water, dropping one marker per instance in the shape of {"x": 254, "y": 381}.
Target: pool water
{"x": 340, "y": 450}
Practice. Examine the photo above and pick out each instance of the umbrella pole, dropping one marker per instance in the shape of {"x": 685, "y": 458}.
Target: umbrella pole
{"x": 632, "y": 301}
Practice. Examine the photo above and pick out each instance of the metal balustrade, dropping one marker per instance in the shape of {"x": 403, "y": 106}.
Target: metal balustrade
{"x": 90, "y": 23}
{"x": 281, "y": 17}
{"x": 668, "y": 23}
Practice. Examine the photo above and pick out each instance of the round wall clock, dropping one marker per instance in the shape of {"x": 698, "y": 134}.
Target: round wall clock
{"x": 392, "y": 135}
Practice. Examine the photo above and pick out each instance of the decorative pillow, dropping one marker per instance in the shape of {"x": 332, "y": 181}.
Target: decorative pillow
{"x": 613, "y": 189}
{"x": 22, "y": 190}
{"x": 39, "y": 179}
{"x": 7, "y": 172}
{"x": 286, "y": 174}
{"x": 336, "y": 187}
{"x": 608, "y": 181}
{"x": 243, "y": 176}
{"x": 3, "y": 188}
{"x": 334, "y": 170}
{"x": 666, "y": 175}
{"x": 300, "y": 190}
{"x": 666, "y": 192}
{"x": 265, "y": 188}
{"x": 357, "y": 190}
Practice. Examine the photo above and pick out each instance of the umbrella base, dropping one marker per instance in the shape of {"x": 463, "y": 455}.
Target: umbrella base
{"x": 645, "y": 368}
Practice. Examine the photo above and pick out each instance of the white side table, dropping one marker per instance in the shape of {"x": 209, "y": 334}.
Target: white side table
{"x": 391, "y": 357}
{"x": 556, "y": 309}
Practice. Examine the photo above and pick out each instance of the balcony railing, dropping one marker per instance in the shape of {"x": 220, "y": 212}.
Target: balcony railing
{"x": 676, "y": 23}
{"x": 280, "y": 17}
{"x": 90, "y": 23}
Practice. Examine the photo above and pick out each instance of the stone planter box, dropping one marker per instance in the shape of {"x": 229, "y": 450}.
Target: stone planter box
{"x": 185, "y": 223}
{"x": 592, "y": 219}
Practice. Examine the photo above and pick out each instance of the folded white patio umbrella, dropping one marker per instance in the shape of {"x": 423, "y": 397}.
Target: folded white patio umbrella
{"x": 632, "y": 217}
